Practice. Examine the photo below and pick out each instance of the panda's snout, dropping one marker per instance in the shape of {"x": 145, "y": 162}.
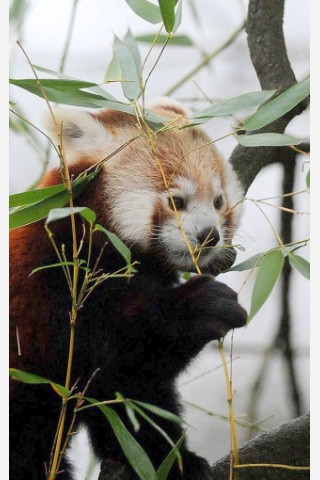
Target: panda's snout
{"x": 209, "y": 237}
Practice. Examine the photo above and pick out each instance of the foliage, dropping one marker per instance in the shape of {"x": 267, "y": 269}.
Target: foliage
{"x": 53, "y": 203}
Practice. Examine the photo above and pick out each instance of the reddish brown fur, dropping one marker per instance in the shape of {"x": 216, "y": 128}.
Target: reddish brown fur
{"x": 28, "y": 244}
{"x": 113, "y": 119}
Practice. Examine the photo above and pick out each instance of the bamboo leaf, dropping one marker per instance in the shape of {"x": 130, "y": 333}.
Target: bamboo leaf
{"x": 113, "y": 71}
{"x": 308, "y": 179}
{"x": 130, "y": 412}
{"x": 67, "y": 92}
{"x": 37, "y": 380}
{"x": 60, "y": 213}
{"x": 300, "y": 264}
{"x": 166, "y": 465}
{"x": 89, "y": 215}
{"x": 135, "y": 454}
{"x": 146, "y": 10}
{"x": 248, "y": 264}
{"x": 231, "y": 106}
{"x": 131, "y": 43}
{"x": 60, "y": 264}
{"x": 61, "y": 75}
{"x": 178, "y": 16}
{"x": 129, "y": 69}
{"x": 269, "y": 270}
{"x": 39, "y": 210}
{"x": 279, "y": 106}
{"x": 160, "y": 412}
{"x": 116, "y": 242}
{"x": 70, "y": 92}
{"x": 168, "y": 14}
{"x": 176, "y": 40}
{"x": 159, "y": 429}
{"x": 267, "y": 140}
{"x": 32, "y": 196}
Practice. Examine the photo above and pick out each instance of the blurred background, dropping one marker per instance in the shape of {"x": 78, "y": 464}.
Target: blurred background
{"x": 261, "y": 376}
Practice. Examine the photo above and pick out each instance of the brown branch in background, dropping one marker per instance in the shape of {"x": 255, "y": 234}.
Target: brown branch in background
{"x": 290, "y": 443}
{"x": 276, "y": 447}
{"x": 269, "y": 57}
{"x": 282, "y": 342}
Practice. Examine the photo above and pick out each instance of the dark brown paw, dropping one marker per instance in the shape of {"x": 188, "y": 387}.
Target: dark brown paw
{"x": 213, "y": 305}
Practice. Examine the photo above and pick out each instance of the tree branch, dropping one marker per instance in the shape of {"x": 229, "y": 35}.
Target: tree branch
{"x": 287, "y": 445}
{"x": 269, "y": 57}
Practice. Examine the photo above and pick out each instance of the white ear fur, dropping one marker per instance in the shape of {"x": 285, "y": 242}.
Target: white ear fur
{"x": 82, "y": 134}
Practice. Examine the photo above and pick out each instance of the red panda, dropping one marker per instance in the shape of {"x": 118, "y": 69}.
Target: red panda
{"x": 176, "y": 203}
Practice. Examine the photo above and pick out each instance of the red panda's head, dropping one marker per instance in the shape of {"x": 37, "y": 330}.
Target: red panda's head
{"x": 167, "y": 193}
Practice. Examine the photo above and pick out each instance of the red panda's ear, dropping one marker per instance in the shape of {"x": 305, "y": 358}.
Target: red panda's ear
{"x": 167, "y": 107}
{"x": 79, "y": 133}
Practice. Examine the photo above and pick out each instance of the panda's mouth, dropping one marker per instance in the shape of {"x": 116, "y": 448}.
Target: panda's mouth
{"x": 185, "y": 260}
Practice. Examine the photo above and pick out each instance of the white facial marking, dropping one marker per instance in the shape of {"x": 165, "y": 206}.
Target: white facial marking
{"x": 216, "y": 183}
{"x": 186, "y": 186}
{"x": 133, "y": 215}
{"x": 197, "y": 216}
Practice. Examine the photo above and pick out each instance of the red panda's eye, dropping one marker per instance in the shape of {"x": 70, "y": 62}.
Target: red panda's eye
{"x": 178, "y": 201}
{"x": 218, "y": 201}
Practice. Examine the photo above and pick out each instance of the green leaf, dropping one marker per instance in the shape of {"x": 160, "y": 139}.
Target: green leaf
{"x": 146, "y": 10}
{"x": 279, "y": 106}
{"x": 248, "y": 264}
{"x": 178, "y": 16}
{"x": 60, "y": 213}
{"x": 166, "y": 465}
{"x": 69, "y": 92}
{"x": 37, "y": 380}
{"x": 89, "y": 215}
{"x": 267, "y": 140}
{"x": 130, "y": 412}
{"x": 61, "y": 91}
{"x": 18, "y": 11}
{"x": 176, "y": 40}
{"x": 300, "y": 264}
{"x": 232, "y": 105}
{"x": 65, "y": 92}
{"x": 308, "y": 179}
{"x": 60, "y": 75}
{"x": 135, "y": 454}
{"x": 60, "y": 264}
{"x": 131, "y": 43}
{"x": 116, "y": 242}
{"x": 168, "y": 14}
{"x": 159, "y": 429}
{"x": 39, "y": 210}
{"x": 160, "y": 412}
{"x": 129, "y": 69}
{"x": 113, "y": 71}
{"x": 32, "y": 196}
{"x": 269, "y": 270}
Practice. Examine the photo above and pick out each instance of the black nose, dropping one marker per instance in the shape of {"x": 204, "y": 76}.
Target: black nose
{"x": 209, "y": 237}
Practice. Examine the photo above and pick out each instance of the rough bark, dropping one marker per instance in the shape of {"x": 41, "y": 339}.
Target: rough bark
{"x": 286, "y": 445}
